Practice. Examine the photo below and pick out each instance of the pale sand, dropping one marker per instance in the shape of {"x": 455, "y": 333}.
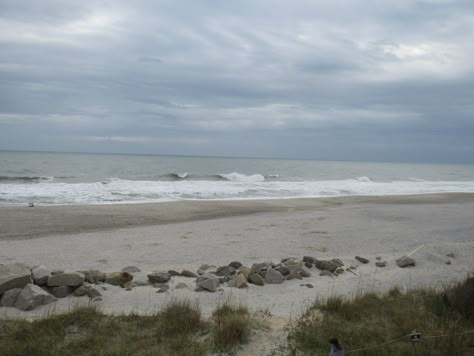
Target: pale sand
{"x": 187, "y": 234}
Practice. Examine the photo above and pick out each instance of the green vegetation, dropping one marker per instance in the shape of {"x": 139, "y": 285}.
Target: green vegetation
{"x": 232, "y": 325}
{"x": 373, "y": 319}
{"x": 177, "y": 329}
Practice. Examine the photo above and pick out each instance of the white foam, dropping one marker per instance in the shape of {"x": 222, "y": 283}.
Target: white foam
{"x": 127, "y": 191}
{"x": 237, "y": 177}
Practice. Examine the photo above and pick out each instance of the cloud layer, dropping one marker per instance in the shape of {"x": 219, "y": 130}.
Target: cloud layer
{"x": 361, "y": 80}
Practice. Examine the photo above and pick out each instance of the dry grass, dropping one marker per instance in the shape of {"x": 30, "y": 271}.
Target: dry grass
{"x": 232, "y": 326}
{"x": 373, "y": 319}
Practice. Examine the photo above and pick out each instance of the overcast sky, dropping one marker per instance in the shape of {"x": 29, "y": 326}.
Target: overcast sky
{"x": 332, "y": 80}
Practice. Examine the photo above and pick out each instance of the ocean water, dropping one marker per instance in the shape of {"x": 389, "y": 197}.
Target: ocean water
{"x": 69, "y": 178}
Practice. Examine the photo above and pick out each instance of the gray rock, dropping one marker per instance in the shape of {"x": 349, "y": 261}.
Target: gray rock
{"x": 256, "y": 279}
{"x": 293, "y": 264}
{"x": 309, "y": 285}
{"x": 173, "y": 273}
{"x": 181, "y": 285}
{"x": 448, "y": 262}
{"x": 293, "y": 275}
{"x": 338, "y": 262}
{"x": 225, "y": 271}
{"x": 405, "y": 261}
{"x": 9, "y": 297}
{"x": 118, "y": 278}
{"x": 330, "y": 266}
{"x": 131, "y": 269}
{"x": 235, "y": 264}
{"x": 87, "y": 289}
{"x": 71, "y": 279}
{"x": 381, "y": 263}
{"x": 308, "y": 265}
{"x": 259, "y": 267}
{"x": 283, "y": 270}
{"x": 158, "y": 277}
{"x": 129, "y": 285}
{"x": 33, "y": 296}
{"x": 378, "y": 258}
{"x": 246, "y": 271}
{"x": 94, "y": 276}
{"x": 61, "y": 292}
{"x": 56, "y": 271}
{"x": 362, "y": 259}
{"x": 16, "y": 275}
{"x": 205, "y": 268}
{"x": 40, "y": 275}
{"x": 304, "y": 273}
{"x": 308, "y": 259}
{"x": 326, "y": 273}
{"x": 239, "y": 281}
{"x": 209, "y": 282}
{"x": 187, "y": 273}
{"x": 273, "y": 277}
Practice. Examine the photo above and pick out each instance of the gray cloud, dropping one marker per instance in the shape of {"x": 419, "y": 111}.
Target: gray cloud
{"x": 306, "y": 79}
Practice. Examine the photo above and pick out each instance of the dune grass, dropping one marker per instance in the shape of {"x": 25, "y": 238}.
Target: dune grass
{"x": 372, "y": 319}
{"x": 232, "y": 326}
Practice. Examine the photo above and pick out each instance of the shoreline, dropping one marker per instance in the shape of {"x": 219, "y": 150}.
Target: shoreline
{"x": 40, "y": 221}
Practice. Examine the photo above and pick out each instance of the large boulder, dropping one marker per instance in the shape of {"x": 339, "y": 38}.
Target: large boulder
{"x": 40, "y": 275}
{"x": 159, "y": 277}
{"x": 118, "y": 278}
{"x": 405, "y": 261}
{"x": 87, "y": 289}
{"x": 330, "y": 266}
{"x": 225, "y": 271}
{"x": 208, "y": 282}
{"x": 61, "y": 291}
{"x": 256, "y": 279}
{"x": 239, "y": 281}
{"x": 260, "y": 267}
{"x": 94, "y": 276}
{"x": 71, "y": 279}
{"x": 9, "y": 297}
{"x": 16, "y": 275}
{"x": 246, "y": 271}
{"x": 33, "y": 296}
{"x": 273, "y": 277}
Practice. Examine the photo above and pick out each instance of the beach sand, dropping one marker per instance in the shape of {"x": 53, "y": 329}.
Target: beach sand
{"x": 179, "y": 235}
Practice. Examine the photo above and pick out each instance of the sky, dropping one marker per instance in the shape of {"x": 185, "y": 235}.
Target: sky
{"x": 331, "y": 80}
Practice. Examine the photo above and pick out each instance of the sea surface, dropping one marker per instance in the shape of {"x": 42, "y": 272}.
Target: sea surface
{"x": 72, "y": 178}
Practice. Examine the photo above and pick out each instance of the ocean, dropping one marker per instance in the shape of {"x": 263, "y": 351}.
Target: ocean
{"x": 75, "y": 178}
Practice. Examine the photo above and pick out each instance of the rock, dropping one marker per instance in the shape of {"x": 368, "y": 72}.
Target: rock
{"x": 235, "y": 264}
{"x": 173, "y": 273}
{"x": 308, "y": 265}
{"x": 62, "y": 291}
{"x": 187, "y": 273}
{"x": 378, "y": 258}
{"x": 94, "y": 276}
{"x": 309, "y": 285}
{"x": 9, "y": 297}
{"x": 338, "y": 262}
{"x": 381, "y": 263}
{"x": 158, "y": 277}
{"x": 118, "y": 278}
{"x": 131, "y": 269}
{"x": 129, "y": 285}
{"x": 205, "y": 268}
{"x": 33, "y": 296}
{"x": 283, "y": 270}
{"x": 181, "y": 285}
{"x": 326, "y": 273}
{"x": 339, "y": 270}
{"x": 56, "y": 271}
{"x": 97, "y": 299}
{"x": 405, "y": 261}
{"x": 209, "y": 282}
{"x": 448, "y": 262}
{"x": 293, "y": 263}
{"x": 362, "y": 259}
{"x": 71, "y": 279}
{"x": 293, "y": 275}
{"x": 330, "y": 266}
{"x": 260, "y": 267}
{"x": 246, "y": 271}
{"x": 162, "y": 290}
{"x": 87, "y": 289}
{"x": 161, "y": 286}
{"x": 40, "y": 275}
{"x": 256, "y": 279}
{"x": 239, "y": 281}
{"x": 226, "y": 271}
{"x": 308, "y": 259}
{"x": 16, "y": 275}
{"x": 273, "y": 277}
{"x": 304, "y": 273}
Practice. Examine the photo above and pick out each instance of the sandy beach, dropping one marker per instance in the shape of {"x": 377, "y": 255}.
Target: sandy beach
{"x": 188, "y": 234}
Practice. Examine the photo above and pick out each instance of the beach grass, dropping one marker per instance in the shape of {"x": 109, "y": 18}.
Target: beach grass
{"x": 443, "y": 317}
{"x": 232, "y": 326}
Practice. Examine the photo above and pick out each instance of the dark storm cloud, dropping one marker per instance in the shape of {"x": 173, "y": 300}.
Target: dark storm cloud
{"x": 328, "y": 80}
